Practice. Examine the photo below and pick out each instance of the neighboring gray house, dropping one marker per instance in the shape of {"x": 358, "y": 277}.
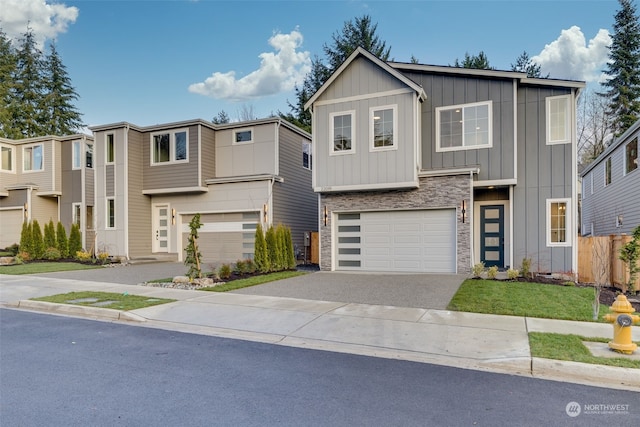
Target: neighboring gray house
{"x": 611, "y": 188}
{"x": 151, "y": 181}
{"x": 46, "y": 178}
{"x": 432, "y": 169}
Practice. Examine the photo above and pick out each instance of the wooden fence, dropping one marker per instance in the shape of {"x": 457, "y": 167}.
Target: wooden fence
{"x": 598, "y": 261}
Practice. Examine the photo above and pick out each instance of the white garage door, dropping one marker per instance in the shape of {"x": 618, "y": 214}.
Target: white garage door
{"x": 400, "y": 241}
{"x": 10, "y": 227}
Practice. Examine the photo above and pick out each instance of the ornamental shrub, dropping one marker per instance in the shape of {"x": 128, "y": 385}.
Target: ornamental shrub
{"x": 272, "y": 249}
{"x": 51, "y": 254}
{"x": 75, "y": 239}
{"x": 260, "y": 255}
{"x": 37, "y": 241}
{"x": 50, "y": 235}
{"x": 61, "y": 240}
{"x": 478, "y": 269}
{"x": 224, "y": 272}
{"x": 25, "y": 240}
{"x": 512, "y": 274}
{"x": 492, "y": 272}
{"x": 290, "y": 255}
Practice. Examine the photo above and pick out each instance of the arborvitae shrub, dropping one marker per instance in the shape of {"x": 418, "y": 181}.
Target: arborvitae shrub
{"x": 50, "y": 235}
{"x": 25, "y": 239}
{"x": 36, "y": 240}
{"x": 75, "y": 239}
{"x": 61, "y": 240}
{"x": 272, "y": 249}
{"x": 260, "y": 255}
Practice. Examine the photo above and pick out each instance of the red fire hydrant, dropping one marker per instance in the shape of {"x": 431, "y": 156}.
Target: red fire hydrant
{"x": 622, "y": 320}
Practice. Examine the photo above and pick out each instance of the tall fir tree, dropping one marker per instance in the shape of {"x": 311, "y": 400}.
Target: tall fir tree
{"x": 59, "y": 116}
{"x": 27, "y": 92}
{"x": 8, "y": 64}
{"x": 622, "y": 88}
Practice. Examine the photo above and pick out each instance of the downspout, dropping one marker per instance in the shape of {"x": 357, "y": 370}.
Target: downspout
{"x": 471, "y": 209}
{"x": 574, "y": 183}
{"x": 125, "y": 199}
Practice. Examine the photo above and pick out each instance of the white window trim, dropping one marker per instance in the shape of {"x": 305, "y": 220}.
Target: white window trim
{"x": 608, "y": 160}
{"x": 332, "y": 151}
{"x": 624, "y": 156}
{"x": 75, "y": 219}
{"x": 307, "y": 144}
{"x": 172, "y": 147}
{"x": 76, "y": 149}
{"x": 24, "y": 148}
{"x": 236, "y": 131}
{"x": 106, "y": 223}
{"x": 567, "y": 124}
{"x": 394, "y": 108}
{"x": 106, "y": 148}
{"x": 13, "y": 159}
{"x": 568, "y": 224}
{"x": 464, "y": 147}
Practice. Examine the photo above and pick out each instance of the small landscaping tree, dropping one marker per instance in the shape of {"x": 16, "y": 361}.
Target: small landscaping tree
{"x": 630, "y": 254}
{"x": 37, "y": 241}
{"x": 291, "y": 255}
{"x": 600, "y": 267}
{"x": 25, "y": 239}
{"x": 260, "y": 255}
{"x": 49, "y": 235}
{"x": 194, "y": 257}
{"x": 75, "y": 241}
{"x": 272, "y": 249}
{"x": 61, "y": 240}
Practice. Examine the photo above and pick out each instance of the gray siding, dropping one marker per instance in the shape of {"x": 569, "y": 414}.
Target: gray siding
{"x": 544, "y": 172}
{"x": 172, "y": 175}
{"x": 208, "y": 153}
{"x": 15, "y": 198}
{"x": 601, "y": 208}
{"x": 294, "y": 202}
{"x": 138, "y": 227}
{"x": 443, "y": 90}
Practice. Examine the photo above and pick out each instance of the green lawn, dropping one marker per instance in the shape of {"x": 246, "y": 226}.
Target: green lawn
{"x": 525, "y": 299}
{"x": 105, "y": 300}
{"x": 44, "y": 267}
{"x": 252, "y": 281}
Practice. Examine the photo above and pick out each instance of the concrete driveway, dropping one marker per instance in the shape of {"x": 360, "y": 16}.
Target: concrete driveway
{"x": 400, "y": 290}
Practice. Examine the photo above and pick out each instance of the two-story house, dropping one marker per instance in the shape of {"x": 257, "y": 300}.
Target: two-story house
{"x": 46, "y": 178}
{"x": 425, "y": 168}
{"x": 151, "y": 181}
{"x": 611, "y": 188}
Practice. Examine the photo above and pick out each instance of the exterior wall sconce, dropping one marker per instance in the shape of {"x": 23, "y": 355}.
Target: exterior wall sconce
{"x": 265, "y": 209}
{"x": 463, "y": 211}
{"x": 325, "y": 216}
{"x": 173, "y": 216}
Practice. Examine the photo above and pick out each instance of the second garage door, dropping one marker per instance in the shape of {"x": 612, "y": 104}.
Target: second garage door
{"x": 397, "y": 241}
{"x": 10, "y": 226}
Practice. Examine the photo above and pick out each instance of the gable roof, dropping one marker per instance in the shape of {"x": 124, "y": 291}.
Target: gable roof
{"x": 624, "y": 138}
{"x": 375, "y": 60}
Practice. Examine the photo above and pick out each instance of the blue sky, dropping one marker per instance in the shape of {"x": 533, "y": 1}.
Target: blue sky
{"x": 149, "y": 61}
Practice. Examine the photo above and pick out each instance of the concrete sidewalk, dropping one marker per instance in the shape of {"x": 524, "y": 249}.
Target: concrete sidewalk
{"x": 465, "y": 340}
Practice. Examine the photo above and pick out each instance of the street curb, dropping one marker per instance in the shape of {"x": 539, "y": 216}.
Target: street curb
{"x": 79, "y": 310}
{"x": 586, "y": 373}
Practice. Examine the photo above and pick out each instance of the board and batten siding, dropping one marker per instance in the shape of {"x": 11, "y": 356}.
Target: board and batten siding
{"x": 359, "y": 88}
{"x": 542, "y": 174}
{"x": 495, "y": 163}
{"x": 294, "y": 202}
{"x": 249, "y": 158}
{"x": 138, "y": 225}
{"x": 170, "y": 175}
{"x": 601, "y": 208}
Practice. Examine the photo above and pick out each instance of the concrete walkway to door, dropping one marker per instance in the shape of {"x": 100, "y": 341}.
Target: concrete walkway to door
{"x": 432, "y": 291}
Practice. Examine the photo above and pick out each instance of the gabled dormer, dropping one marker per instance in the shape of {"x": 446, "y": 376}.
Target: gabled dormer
{"x": 366, "y": 127}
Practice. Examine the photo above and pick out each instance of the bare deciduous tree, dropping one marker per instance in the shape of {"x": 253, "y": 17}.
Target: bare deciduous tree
{"x": 594, "y": 132}
{"x": 601, "y": 265}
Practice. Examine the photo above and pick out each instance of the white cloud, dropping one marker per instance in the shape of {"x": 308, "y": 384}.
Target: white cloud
{"x": 570, "y": 57}
{"x": 279, "y": 72}
{"x": 47, "y": 20}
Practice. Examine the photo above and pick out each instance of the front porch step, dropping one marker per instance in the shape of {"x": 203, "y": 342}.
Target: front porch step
{"x": 154, "y": 258}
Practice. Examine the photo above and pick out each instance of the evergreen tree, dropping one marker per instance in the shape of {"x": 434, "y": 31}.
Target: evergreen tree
{"x": 480, "y": 62}
{"x": 360, "y": 32}
{"x": 26, "y": 104}
{"x": 290, "y": 252}
{"x": 37, "y": 242}
{"x": 8, "y": 64}
{"x": 61, "y": 240}
{"x": 260, "y": 255}
{"x": 221, "y": 118}
{"x": 194, "y": 257}
{"x": 25, "y": 239}
{"x": 59, "y": 116}
{"x": 75, "y": 240}
{"x": 272, "y": 249}
{"x": 524, "y": 64}
{"x": 622, "y": 88}
{"x": 49, "y": 235}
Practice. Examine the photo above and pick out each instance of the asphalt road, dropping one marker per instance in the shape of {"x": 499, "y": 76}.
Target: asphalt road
{"x": 59, "y": 371}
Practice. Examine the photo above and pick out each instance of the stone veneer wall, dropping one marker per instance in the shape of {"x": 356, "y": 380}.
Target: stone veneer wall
{"x": 434, "y": 192}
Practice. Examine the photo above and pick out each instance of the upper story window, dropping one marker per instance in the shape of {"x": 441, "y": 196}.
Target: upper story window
{"x": 110, "y": 148}
{"x": 631, "y": 156}
{"x": 607, "y": 171}
{"x": 558, "y": 222}
{"x": 382, "y": 127}
{"x": 6, "y": 159}
{"x": 342, "y": 132}
{"x": 78, "y": 154}
{"x": 88, "y": 155}
{"x": 306, "y": 155}
{"x": 464, "y": 127}
{"x": 169, "y": 147}
{"x": 32, "y": 158}
{"x": 243, "y": 136}
{"x": 558, "y": 119}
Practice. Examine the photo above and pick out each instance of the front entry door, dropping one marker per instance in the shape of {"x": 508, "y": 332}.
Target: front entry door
{"x": 492, "y": 235}
{"x": 161, "y": 228}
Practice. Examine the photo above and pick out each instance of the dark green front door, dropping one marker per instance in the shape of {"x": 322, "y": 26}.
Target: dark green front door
{"x": 492, "y": 235}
